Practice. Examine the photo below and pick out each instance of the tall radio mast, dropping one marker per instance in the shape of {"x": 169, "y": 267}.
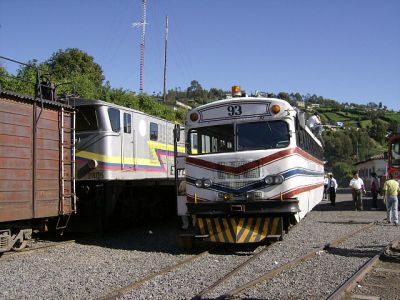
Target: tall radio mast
{"x": 142, "y": 24}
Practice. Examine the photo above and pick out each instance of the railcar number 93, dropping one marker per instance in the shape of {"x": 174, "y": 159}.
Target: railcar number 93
{"x": 234, "y": 110}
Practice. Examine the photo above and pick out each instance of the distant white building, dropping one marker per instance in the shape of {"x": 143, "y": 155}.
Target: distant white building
{"x": 373, "y": 164}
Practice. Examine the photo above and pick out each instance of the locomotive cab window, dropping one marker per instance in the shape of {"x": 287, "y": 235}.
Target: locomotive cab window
{"x": 86, "y": 118}
{"x": 153, "y": 131}
{"x": 127, "y": 123}
{"x": 114, "y": 116}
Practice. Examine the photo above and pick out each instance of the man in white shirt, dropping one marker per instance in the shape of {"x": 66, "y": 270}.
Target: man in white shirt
{"x": 314, "y": 122}
{"x": 357, "y": 186}
{"x": 332, "y": 186}
{"x": 326, "y": 182}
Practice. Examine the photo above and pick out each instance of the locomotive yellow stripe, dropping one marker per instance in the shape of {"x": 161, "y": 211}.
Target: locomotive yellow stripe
{"x": 131, "y": 160}
{"x": 210, "y": 230}
{"x": 200, "y": 223}
{"x": 246, "y": 230}
{"x": 239, "y": 230}
{"x": 275, "y": 223}
{"x": 256, "y": 232}
{"x": 227, "y": 230}
{"x": 264, "y": 231}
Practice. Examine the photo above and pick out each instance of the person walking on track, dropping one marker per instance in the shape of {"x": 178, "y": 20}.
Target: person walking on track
{"x": 332, "y": 186}
{"x": 390, "y": 191}
{"x": 357, "y": 187}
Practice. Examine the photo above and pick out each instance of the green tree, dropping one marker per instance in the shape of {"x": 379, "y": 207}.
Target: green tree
{"x": 76, "y": 66}
{"x": 195, "y": 90}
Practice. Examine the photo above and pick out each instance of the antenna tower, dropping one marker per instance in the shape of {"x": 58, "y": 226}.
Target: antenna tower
{"x": 142, "y": 24}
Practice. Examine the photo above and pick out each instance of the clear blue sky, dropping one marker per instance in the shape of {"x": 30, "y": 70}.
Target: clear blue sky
{"x": 347, "y": 50}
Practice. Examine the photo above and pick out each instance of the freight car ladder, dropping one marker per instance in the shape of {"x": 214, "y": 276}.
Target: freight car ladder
{"x": 67, "y": 168}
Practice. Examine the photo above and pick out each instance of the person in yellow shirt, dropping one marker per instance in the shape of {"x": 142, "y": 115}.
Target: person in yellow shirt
{"x": 390, "y": 191}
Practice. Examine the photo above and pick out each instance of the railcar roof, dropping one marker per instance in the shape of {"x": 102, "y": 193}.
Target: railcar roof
{"x": 244, "y": 99}
{"x": 84, "y": 102}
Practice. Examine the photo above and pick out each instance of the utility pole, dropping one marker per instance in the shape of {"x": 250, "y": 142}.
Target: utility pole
{"x": 142, "y": 24}
{"x": 165, "y": 59}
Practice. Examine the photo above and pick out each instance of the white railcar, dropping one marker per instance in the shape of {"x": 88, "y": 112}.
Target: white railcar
{"x": 252, "y": 168}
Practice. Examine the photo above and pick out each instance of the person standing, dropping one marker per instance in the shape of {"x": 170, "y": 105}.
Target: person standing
{"x": 326, "y": 182}
{"x": 390, "y": 191}
{"x": 357, "y": 187}
{"x": 375, "y": 186}
{"x": 332, "y": 185}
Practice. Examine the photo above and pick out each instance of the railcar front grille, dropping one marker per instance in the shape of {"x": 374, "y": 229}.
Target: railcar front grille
{"x": 252, "y": 174}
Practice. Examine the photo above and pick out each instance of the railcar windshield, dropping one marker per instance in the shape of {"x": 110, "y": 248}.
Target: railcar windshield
{"x": 249, "y": 136}
{"x": 86, "y": 118}
{"x": 395, "y": 153}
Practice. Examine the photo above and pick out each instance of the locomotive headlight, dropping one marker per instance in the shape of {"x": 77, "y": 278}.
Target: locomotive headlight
{"x": 92, "y": 164}
{"x": 198, "y": 183}
{"x": 269, "y": 179}
{"x": 207, "y": 183}
{"x": 278, "y": 179}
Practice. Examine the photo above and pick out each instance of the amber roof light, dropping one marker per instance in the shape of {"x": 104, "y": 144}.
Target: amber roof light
{"x": 236, "y": 91}
{"x": 275, "y": 108}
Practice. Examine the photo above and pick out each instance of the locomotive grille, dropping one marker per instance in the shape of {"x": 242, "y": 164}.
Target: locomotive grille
{"x": 252, "y": 174}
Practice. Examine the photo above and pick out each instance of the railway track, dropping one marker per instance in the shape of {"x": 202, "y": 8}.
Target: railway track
{"x": 120, "y": 292}
{"x": 271, "y": 274}
{"x": 235, "y": 292}
{"x": 37, "y": 248}
{"x": 374, "y": 265}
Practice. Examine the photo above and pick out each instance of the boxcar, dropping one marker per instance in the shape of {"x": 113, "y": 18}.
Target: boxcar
{"x": 37, "y": 187}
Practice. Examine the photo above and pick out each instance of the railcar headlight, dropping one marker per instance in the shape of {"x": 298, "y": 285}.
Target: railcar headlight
{"x": 207, "y": 183}
{"x": 274, "y": 179}
{"x": 278, "y": 179}
{"x": 198, "y": 183}
{"x": 269, "y": 179}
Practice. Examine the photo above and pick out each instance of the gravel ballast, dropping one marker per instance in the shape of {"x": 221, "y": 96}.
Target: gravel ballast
{"x": 95, "y": 267}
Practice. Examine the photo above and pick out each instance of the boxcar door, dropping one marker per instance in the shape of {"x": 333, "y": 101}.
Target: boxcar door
{"x": 128, "y": 146}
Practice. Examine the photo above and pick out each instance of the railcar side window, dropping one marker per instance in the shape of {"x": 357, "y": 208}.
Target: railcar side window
{"x": 127, "y": 123}
{"x": 153, "y": 131}
{"x": 114, "y": 119}
{"x": 86, "y": 118}
{"x": 262, "y": 135}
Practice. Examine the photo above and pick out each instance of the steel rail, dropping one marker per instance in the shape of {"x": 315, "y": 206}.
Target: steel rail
{"x": 120, "y": 292}
{"x": 27, "y": 250}
{"x": 228, "y": 275}
{"x": 271, "y": 274}
{"x": 352, "y": 282}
